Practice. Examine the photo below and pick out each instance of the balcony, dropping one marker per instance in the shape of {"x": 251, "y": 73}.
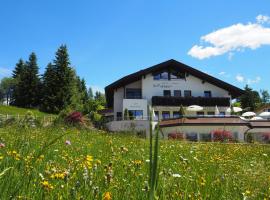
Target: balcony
{"x": 187, "y": 101}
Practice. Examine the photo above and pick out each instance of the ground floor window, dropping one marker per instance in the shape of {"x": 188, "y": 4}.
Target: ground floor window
{"x": 119, "y": 116}
{"x": 165, "y": 115}
{"x": 210, "y": 113}
{"x": 222, "y": 113}
{"x": 135, "y": 114}
{"x": 192, "y": 136}
{"x": 176, "y": 114}
{"x": 205, "y": 137}
{"x": 200, "y": 113}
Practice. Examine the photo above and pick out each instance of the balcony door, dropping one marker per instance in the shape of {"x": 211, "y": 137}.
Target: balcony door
{"x": 133, "y": 93}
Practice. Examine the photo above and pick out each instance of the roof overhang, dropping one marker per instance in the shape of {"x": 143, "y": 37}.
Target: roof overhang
{"x": 170, "y": 64}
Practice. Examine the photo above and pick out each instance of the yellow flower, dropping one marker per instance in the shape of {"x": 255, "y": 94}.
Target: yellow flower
{"x": 47, "y": 185}
{"x": 107, "y": 196}
{"x": 1, "y": 157}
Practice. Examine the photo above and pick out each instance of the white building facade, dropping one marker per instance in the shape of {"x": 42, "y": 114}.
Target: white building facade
{"x": 165, "y": 87}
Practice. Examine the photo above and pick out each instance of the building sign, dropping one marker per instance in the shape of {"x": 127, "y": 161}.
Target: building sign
{"x": 165, "y": 85}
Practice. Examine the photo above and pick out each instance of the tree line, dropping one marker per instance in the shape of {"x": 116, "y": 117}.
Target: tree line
{"x": 59, "y": 88}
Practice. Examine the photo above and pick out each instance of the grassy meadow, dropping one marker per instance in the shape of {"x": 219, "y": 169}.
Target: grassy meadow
{"x": 60, "y": 163}
{"x": 15, "y": 111}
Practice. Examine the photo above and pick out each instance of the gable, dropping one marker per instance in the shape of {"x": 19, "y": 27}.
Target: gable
{"x": 170, "y": 65}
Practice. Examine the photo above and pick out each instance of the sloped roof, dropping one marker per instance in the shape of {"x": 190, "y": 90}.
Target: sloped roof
{"x": 169, "y": 64}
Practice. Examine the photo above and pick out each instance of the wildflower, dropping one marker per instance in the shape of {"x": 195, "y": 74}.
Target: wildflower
{"x": 176, "y": 175}
{"x": 107, "y": 196}
{"x": 46, "y": 185}
{"x": 202, "y": 181}
{"x": 137, "y": 162}
{"x": 2, "y": 145}
{"x": 67, "y": 142}
{"x": 88, "y": 161}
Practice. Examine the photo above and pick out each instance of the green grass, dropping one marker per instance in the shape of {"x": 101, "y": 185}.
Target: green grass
{"x": 12, "y": 110}
{"x": 37, "y": 164}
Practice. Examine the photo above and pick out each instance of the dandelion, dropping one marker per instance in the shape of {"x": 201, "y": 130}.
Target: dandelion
{"x": 107, "y": 196}
{"x": 46, "y": 185}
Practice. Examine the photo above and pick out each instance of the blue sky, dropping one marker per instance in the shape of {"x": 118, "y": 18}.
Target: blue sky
{"x": 109, "y": 39}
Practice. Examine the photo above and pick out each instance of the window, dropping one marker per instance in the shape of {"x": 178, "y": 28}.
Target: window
{"x": 135, "y": 114}
{"x": 177, "y": 93}
{"x": 156, "y": 116}
{"x": 192, "y": 137}
{"x": 222, "y": 113}
{"x": 161, "y": 76}
{"x": 200, "y": 113}
{"x": 210, "y": 113}
{"x": 166, "y": 93}
{"x": 119, "y": 116}
{"x": 206, "y": 137}
{"x": 176, "y": 114}
{"x": 177, "y": 75}
{"x": 165, "y": 115}
{"x": 187, "y": 93}
{"x": 207, "y": 94}
{"x": 133, "y": 93}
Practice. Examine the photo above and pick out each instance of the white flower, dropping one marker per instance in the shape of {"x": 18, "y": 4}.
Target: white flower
{"x": 176, "y": 175}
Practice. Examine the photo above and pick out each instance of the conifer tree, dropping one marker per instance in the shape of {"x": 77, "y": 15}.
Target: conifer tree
{"x": 27, "y": 90}
{"x": 48, "y": 89}
{"x": 63, "y": 82}
{"x": 20, "y": 66}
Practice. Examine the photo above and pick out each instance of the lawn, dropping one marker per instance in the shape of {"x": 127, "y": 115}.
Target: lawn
{"x": 59, "y": 163}
{"x": 15, "y": 111}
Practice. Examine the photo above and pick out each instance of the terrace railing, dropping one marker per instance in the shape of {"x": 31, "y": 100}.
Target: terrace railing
{"x": 187, "y": 101}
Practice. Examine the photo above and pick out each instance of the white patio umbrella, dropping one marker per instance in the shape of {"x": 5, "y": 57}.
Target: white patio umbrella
{"x": 217, "y": 111}
{"x": 265, "y": 114}
{"x": 256, "y": 118}
{"x": 194, "y": 108}
{"x": 235, "y": 109}
{"x": 249, "y": 114}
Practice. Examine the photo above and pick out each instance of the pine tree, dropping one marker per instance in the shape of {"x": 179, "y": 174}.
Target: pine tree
{"x": 90, "y": 93}
{"x": 63, "y": 82}
{"x": 49, "y": 93}
{"x": 83, "y": 91}
{"x": 27, "y": 89}
{"x": 20, "y": 66}
{"x": 33, "y": 80}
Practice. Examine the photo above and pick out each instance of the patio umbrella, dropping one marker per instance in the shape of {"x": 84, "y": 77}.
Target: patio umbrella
{"x": 194, "y": 108}
{"x": 256, "y": 118}
{"x": 217, "y": 111}
{"x": 265, "y": 114}
{"x": 235, "y": 109}
{"x": 249, "y": 114}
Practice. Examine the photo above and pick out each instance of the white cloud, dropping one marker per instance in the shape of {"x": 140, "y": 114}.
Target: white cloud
{"x": 263, "y": 19}
{"x": 5, "y": 71}
{"x": 256, "y": 80}
{"x": 240, "y": 78}
{"x": 222, "y": 73}
{"x": 233, "y": 38}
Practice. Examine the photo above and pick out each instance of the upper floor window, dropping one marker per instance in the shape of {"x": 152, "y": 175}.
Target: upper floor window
{"x": 166, "y": 93}
{"x": 207, "y": 94}
{"x": 165, "y": 115}
{"x": 187, "y": 93}
{"x": 133, "y": 93}
{"x": 161, "y": 76}
{"x": 171, "y": 75}
{"x": 177, "y": 93}
{"x": 177, "y": 75}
